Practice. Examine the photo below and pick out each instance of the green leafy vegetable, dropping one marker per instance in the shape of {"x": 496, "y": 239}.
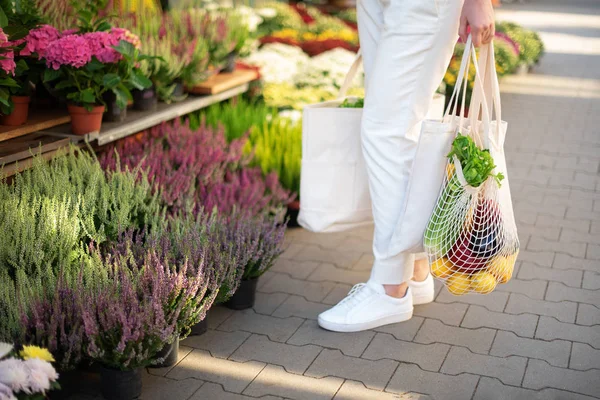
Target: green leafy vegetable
{"x": 353, "y": 102}
{"x": 477, "y": 164}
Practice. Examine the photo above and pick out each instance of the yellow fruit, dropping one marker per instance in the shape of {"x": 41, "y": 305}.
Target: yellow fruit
{"x": 502, "y": 267}
{"x": 483, "y": 282}
{"x": 450, "y": 171}
{"x": 458, "y": 283}
{"x": 441, "y": 268}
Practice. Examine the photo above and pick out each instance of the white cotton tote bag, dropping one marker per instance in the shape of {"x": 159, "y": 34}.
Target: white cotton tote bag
{"x": 334, "y": 189}
{"x": 429, "y": 166}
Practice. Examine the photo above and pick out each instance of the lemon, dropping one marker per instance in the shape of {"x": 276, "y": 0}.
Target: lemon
{"x": 502, "y": 267}
{"x": 441, "y": 268}
{"x": 458, "y": 283}
{"x": 483, "y": 282}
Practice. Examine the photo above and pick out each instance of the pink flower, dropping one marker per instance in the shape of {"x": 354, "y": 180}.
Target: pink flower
{"x": 101, "y": 45}
{"x": 124, "y": 34}
{"x": 72, "y": 50}
{"x": 38, "y": 40}
{"x": 7, "y": 57}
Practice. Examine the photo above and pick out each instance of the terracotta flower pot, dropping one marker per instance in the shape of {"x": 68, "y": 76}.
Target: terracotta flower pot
{"x": 84, "y": 121}
{"x": 19, "y": 114}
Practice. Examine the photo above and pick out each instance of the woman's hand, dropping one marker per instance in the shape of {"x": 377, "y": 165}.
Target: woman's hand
{"x": 479, "y": 16}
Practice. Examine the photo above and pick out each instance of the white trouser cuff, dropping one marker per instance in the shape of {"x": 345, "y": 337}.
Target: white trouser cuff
{"x": 393, "y": 271}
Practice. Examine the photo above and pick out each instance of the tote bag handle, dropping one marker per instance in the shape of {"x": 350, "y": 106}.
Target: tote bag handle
{"x": 350, "y": 75}
{"x": 460, "y": 84}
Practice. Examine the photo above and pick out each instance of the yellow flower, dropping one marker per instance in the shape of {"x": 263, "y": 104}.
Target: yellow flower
{"x": 286, "y": 34}
{"x": 308, "y": 36}
{"x": 36, "y": 352}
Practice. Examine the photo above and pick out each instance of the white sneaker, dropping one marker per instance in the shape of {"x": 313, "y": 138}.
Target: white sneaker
{"x": 367, "y": 306}
{"x": 423, "y": 292}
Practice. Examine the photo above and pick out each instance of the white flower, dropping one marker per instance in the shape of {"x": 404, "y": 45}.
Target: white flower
{"x": 14, "y": 374}
{"x": 267, "y": 12}
{"x": 249, "y": 17}
{"x": 43, "y": 366}
{"x": 38, "y": 381}
{"x": 6, "y": 393}
{"x": 293, "y": 115}
{"x": 5, "y": 348}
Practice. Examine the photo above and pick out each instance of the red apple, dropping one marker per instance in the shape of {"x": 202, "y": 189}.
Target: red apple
{"x": 463, "y": 259}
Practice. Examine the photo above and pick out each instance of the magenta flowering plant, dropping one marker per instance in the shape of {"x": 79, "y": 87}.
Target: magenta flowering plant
{"x": 82, "y": 67}
{"x": 7, "y": 73}
{"x": 199, "y": 167}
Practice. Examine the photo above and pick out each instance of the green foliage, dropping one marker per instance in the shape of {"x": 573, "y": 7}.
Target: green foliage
{"x": 236, "y": 116}
{"x": 477, "y": 164}
{"x": 88, "y": 15}
{"x": 277, "y": 147}
{"x": 531, "y": 47}
{"x": 353, "y": 102}
{"x": 51, "y": 214}
{"x": 165, "y": 69}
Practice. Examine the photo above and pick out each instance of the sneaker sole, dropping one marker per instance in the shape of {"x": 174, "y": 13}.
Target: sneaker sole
{"x": 420, "y": 300}
{"x": 391, "y": 319}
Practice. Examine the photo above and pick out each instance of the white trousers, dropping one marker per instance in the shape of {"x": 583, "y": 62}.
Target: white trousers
{"x": 406, "y": 46}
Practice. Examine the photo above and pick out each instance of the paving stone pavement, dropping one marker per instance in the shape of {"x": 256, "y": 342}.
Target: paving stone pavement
{"x": 537, "y": 337}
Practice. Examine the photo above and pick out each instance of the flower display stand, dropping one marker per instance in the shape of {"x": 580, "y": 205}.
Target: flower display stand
{"x": 38, "y": 121}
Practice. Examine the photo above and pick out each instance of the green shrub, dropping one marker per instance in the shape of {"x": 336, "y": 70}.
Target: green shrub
{"x": 531, "y": 47}
{"x": 50, "y": 217}
{"x": 236, "y": 116}
{"x": 277, "y": 146}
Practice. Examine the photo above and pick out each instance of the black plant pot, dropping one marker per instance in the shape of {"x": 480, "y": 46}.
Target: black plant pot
{"x": 291, "y": 215}
{"x": 179, "y": 90}
{"x": 200, "y": 328}
{"x": 170, "y": 354}
{"x": 120, "y": 385}
{"x": 144, "y": 100}
{"x": 113, "y": 113}
{"x": 230, "y": 65}
{"x": 244, "y": 297}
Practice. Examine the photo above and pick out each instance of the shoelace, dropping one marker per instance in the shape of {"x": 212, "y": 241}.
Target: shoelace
{"x": 354, "y": 295}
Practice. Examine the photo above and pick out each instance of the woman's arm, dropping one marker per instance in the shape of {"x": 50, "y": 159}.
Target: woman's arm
{"x": 479, "y": 16}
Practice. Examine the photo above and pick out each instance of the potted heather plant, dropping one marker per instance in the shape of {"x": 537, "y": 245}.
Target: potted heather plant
{"x": 263, "y": 241}
{"x": 239, "y": 35}
{"x": 126, "y": 323}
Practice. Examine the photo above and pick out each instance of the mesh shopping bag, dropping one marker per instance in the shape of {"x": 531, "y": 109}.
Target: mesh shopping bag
{"x": 471, "y": 238}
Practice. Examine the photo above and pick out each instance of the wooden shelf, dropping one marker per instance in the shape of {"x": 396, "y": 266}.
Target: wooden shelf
{"x": 38, "y": 121}
{"x": 224, "y": 81}
{"x": 137, "y": 121}
{"x": 26, "y": 146}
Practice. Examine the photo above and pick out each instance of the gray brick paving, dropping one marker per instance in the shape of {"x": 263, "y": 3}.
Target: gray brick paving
{"x": 295, "y": 359}
{"x": 568, "y": 277}
{"x": 409, "y": 377}
{"x": 428, "y": 356}
{"x": 584, "y": 357}
{"x": 374, "y": 374}
{"x": 509, "y": 370}
{"x": 522, "y": 325}
{"x": 351, "y": 344}
{"x": 563, "y": 311}
{"x": 555, "y": 352}
{"x": 536, "y": 337}
{"x": 549, "y": 329}
{"x": 477, "y": 340}
{"x": 588, "y": 315}
{"x": 540, "y": 375}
